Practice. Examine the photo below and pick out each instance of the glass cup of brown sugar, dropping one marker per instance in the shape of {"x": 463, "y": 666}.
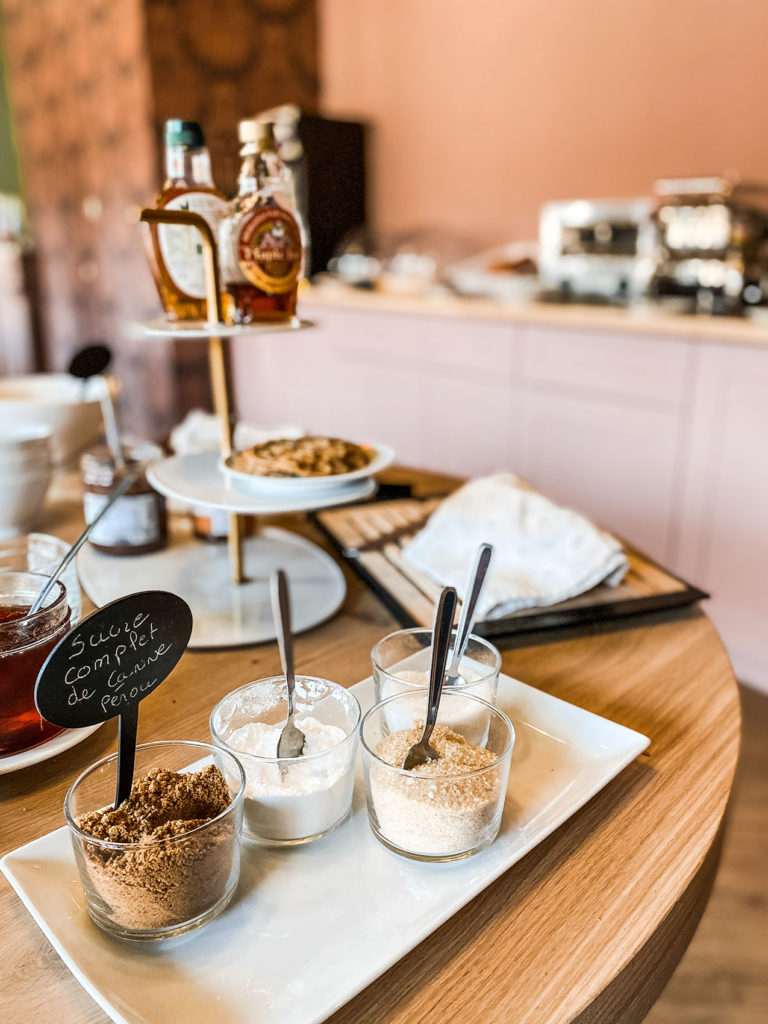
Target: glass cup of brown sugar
{"x": 25, "y": 642}
{"x": 168, "y": 860}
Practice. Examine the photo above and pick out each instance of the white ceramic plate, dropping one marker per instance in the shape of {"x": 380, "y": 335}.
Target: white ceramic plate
{"x": 199, "y": 330}
{"x": 225, "y": 614}
{"x": 56, "y": 745}
{"x": 198, "y": 480}
{"x": 295, "y": 486}
{"x": 474, "y": 276}
{"x": 311, "y": 926}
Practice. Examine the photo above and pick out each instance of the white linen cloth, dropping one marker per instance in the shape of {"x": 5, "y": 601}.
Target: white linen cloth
{"x": 201, "y": 431}
{"x": 542, "y": 553}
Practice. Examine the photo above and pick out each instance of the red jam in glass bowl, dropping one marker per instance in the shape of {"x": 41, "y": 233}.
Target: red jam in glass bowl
{"x": 25, "y": 643}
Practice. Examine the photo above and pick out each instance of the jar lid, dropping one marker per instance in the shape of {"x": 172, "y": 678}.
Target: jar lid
{"x": 258, "y": 133}
{"x": 187, "y": 134}
{"x": 98, "y": 465}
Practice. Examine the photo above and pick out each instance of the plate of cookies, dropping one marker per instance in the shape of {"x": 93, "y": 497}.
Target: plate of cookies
{"x": 299, "y": 465}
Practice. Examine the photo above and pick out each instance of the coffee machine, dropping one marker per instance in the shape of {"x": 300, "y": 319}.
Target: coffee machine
{"x": 711, "y": 243}
{"x": 599, "y": 249}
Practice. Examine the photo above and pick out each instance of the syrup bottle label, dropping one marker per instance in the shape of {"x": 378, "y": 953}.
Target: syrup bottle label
{"x": 269, "y": 250}
{"x": 182, "y": 247}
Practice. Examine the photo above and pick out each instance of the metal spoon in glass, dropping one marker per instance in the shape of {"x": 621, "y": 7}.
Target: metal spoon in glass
{"x": 122, "y": 486}
{"x": 467, "y": 618}
{"x": 90, "y": 362}
{"x": 291, "y": 740}
{"x": 422, "y": 752}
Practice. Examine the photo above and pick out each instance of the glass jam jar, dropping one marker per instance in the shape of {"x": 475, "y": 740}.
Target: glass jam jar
{"x": 136, "y": 524}
{"x": 25, "y": 643}
{"x": 209, "y": 524}
{"x": 212, "y": 524}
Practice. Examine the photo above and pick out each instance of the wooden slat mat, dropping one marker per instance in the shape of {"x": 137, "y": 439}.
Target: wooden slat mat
{"x": 370, "y": 538}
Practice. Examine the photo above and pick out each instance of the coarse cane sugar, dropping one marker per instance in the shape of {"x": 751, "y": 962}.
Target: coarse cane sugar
{"x": 445, "y": 807}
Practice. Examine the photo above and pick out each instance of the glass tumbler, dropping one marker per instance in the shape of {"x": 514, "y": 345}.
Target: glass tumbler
{"x": 291, "y": 800}
{"x": 401, "y": 663}
{"x": 40, "y": 552}
{"x": 157, "y": 889}
{"x": 435, "y": 817}
{"x": 25, "y": 643}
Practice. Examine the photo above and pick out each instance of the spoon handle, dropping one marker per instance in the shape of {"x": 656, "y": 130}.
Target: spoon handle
{"x": 110, "y": 425}
{"x": 123, "y": 486}
{"x": 281, "y": 612}
{"x": 468, "y": 608}
{"x": 441, "y": 639}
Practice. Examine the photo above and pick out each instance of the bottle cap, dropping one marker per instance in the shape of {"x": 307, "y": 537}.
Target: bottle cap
{"x": 188, "y": 134}
{"x": 259, "y": 133}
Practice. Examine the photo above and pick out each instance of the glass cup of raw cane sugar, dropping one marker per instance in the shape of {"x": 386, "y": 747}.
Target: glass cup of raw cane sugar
{"x": 401, "y": 663}
{"x": 443, "y": 809}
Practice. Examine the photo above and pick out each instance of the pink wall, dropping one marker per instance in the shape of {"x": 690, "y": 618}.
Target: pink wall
{"x": 483, "y": 109}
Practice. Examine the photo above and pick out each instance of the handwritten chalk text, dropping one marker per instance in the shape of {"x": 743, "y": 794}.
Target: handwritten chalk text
{"x": 125, "y": 650}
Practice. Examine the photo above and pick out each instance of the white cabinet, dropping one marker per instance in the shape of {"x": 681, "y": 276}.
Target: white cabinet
{"x": 723, "y": 541}
{"x": 604, "y": 428}
{"x": 614, "y": 463}
{"x": 632, "y": 368}
{"x": 661, "y": 439}
{"x": 472, "y": 427}
{"x": 275, "y": 378}
{"x": 445, "y": 394}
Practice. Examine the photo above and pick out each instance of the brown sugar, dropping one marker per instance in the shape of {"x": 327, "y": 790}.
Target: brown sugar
{"x": 174, "y": 802}
{"x": 159, "y": 878}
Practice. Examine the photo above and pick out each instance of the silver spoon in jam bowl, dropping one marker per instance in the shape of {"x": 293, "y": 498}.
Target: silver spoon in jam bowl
{"x": 291, "y": 740}
{"x": 422, "y": 752}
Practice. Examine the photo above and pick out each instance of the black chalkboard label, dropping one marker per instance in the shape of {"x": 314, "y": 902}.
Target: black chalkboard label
{"x": 113, "y": 659}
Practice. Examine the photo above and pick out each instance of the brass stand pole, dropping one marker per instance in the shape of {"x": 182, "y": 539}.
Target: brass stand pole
{"x": 220, "y": 385}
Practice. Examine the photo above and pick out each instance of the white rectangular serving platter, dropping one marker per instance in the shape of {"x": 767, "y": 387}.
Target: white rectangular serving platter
{"x": 311, "y": 926}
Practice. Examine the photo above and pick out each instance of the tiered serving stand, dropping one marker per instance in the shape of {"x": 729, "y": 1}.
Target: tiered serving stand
{"x": 227, "y": 589}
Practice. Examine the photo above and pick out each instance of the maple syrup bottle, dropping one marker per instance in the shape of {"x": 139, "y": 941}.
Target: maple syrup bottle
{"x": 175, "y": 251}
{"x": 260, "y": 238}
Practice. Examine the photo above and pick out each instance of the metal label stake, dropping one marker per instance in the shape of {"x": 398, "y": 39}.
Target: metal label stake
{"x": 110, "y": 662}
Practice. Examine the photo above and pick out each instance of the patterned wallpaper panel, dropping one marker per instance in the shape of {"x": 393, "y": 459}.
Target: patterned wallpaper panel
{"x": 91, "y": 83}
{"x": 230, "y": 59}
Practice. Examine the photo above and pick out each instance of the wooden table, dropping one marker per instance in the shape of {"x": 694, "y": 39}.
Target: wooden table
{"x": 588, "y": 927}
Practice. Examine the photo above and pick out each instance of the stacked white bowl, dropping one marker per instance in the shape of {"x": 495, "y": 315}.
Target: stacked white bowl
{"x": 26, "y": 467}
{"x": 69, "y": 408}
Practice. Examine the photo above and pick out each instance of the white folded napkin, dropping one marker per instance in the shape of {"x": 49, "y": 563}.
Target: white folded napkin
{"x": 201, "y": 431}
{"x": 543, "y": 554}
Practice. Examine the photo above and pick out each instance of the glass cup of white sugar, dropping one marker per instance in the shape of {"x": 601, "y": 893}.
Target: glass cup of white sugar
{"x": 401, "y": 666}
{"x": 289, "y": 801}
{"x": 445, "y": 809}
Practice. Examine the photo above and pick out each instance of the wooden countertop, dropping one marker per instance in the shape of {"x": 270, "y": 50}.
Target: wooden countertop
{"x": 587, "y": 928}
{"x": 640, "y": 319}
